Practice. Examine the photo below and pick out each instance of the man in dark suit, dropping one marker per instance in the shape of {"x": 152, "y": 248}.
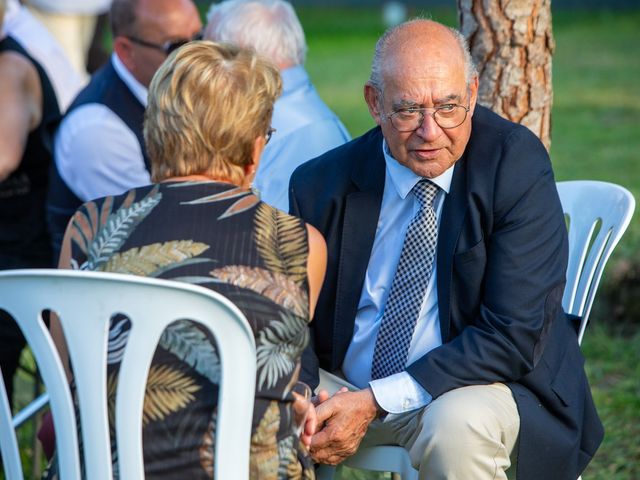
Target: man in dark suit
{"x": 447, "y": 252}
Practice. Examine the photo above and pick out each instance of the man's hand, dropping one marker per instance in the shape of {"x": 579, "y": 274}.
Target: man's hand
{"x": 343, "y": 420}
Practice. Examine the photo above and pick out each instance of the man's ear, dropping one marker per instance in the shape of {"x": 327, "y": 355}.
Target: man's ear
{"x": 124, "y": 49}
{"x": 372, "y": 97}
{"x": 473, "y": 91}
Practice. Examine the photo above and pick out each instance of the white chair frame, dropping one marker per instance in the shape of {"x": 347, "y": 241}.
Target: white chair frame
{"x": 85, "y": 302}
{"x": 598, "y": 214}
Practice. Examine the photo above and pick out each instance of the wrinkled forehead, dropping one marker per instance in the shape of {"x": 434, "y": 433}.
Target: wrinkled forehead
{"x": 424, "y": 54}
{"x": 424, "y": 77}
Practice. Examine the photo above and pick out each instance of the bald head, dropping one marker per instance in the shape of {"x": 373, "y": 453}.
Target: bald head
{"x": 412, "y": 41}
{"x": 142, "y": 28}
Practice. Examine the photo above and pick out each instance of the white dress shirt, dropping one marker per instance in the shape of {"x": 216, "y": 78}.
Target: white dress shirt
{"x": 41, "y": 45}
{"x": 305, "y": 128}
{"x": 397, "y": 393}
{"x": 95, "y": 152}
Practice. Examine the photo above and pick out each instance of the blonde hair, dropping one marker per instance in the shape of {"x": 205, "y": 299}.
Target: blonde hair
{"x": 208, "y": 102}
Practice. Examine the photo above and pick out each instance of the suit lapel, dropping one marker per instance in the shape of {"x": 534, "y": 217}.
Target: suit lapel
{"x": 362, "y": 209}
{"x": 453, "y": 213}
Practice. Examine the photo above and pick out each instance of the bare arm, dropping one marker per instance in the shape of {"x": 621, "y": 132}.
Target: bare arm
{"x": 316, "y": 265}
{"x": 20, "y": 109}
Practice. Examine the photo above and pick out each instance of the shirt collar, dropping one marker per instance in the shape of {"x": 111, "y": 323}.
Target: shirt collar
{"x": 293, "y": 78}
{"x": 403, "y": 179}
{"x": 138, "y": 90}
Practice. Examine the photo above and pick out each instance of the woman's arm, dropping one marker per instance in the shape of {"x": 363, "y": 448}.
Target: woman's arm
{"x": 20, "y": 109}
{"x": 316, "y": 265}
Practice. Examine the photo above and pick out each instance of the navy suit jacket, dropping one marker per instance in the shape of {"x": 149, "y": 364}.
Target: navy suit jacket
{"x": 502, "y": 254}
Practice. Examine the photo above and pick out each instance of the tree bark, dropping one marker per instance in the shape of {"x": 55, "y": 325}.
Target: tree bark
{"x": 511, "y": 42}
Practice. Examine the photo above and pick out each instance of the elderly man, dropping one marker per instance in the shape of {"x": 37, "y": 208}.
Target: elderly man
{"x": 304, "y": 125}
{"x": 99, "y": 149}
{"x": 442, "y": 299}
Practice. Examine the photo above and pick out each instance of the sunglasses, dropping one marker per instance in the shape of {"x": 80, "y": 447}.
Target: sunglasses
{"x": 166, "y": 47}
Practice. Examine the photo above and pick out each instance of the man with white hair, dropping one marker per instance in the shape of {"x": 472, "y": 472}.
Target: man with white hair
{"x": 304, "y": 126}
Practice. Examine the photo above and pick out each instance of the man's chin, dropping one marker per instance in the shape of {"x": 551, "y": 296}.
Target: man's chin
{"x": 429, "y": 168}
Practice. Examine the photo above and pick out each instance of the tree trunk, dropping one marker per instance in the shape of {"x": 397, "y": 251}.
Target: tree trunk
{"x": 512, "y": 44}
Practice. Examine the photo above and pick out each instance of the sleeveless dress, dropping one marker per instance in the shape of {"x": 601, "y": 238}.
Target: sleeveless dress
{"x": 24, "y": 239}
{"x": 222, "y": 237}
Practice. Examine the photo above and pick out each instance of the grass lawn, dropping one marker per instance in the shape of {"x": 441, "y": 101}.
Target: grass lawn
{"x": 596, "y": 135}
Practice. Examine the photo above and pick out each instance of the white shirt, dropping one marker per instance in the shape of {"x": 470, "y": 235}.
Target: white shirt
{"x": 95, "y": 152}
{"x": 399, "y": 392}
{"x": 41, "y": 45}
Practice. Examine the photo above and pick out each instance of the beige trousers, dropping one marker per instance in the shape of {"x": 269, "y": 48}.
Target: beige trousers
{"x": 466, "y": 433}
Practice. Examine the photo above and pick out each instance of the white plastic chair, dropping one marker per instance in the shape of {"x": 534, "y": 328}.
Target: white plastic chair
{"x": 598, "y": 214}
{"x": 85, "y": 302}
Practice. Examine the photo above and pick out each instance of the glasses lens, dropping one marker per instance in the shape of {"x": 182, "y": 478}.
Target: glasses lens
{"x": 173, "y": 46}
{"x": 445, "y": 117}
{"x": 407, "y": 120}
{"x": 450, "y": 117}
{"x": 269, "y": 134}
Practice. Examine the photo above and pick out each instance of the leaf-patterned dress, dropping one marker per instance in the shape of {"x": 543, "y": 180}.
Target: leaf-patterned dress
{"x": 224, "y": 238}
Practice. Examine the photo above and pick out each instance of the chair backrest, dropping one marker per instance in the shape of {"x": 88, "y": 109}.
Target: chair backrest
{"x": 598, "y": 214}
{"x": 85, "y": 302}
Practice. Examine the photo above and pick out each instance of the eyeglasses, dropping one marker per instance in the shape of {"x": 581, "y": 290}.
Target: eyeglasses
{"x": 267, "y": 136}
{"x": 450, "y": 115}
{"x": 166, "y": 47}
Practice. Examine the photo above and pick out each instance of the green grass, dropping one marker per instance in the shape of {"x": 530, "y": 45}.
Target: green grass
{"x": 596, "y": 135}
{"x": 613, "y": 366}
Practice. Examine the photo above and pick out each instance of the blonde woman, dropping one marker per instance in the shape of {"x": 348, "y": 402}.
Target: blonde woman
{"x": 206, "y": 125}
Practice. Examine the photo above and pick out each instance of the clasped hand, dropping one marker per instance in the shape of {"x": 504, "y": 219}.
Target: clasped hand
{"x": 335, "y": 428}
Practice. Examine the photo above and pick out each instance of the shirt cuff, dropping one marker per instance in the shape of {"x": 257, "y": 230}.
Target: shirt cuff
{"x": 399, "y": 393}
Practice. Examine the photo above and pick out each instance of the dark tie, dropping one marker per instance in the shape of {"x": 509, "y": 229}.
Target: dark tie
{"x": 408, "y": 287}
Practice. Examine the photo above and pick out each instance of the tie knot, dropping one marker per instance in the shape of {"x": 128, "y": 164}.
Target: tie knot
{"x": 425, "y": 191}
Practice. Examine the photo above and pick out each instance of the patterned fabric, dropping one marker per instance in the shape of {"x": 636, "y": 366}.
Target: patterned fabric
{"x": 409, "y": 285}
{"x": 224, "y": 238}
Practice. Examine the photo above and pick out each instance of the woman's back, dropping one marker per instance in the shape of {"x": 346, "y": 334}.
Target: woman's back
{"x": 219, "y": 236}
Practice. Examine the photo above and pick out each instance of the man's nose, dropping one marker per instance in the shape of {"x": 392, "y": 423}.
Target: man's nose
{"x": 428, "y": 130}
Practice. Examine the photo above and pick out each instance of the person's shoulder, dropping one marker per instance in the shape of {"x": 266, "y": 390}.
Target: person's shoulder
{"x": 130, "y": 198}
{"x": 16, "y": 67}
{"x": 341, "y": 159}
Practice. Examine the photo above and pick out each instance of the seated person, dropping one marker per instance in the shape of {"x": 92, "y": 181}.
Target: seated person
{"x": 207, "y": 123}
{"x": 27, "y": 102}
{"x": 305, "y": 126}
{"x": 442, "y": 301}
